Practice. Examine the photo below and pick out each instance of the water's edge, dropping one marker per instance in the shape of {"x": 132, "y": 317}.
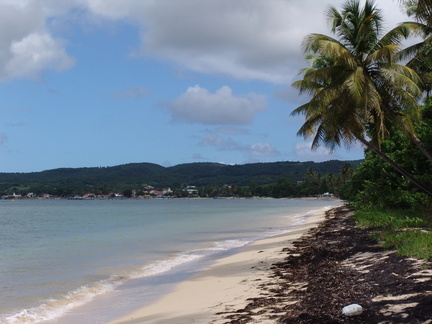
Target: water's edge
{"x": 118, "y": 294}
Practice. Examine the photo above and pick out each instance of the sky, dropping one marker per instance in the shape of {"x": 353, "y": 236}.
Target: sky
{"x": 95, "y": 83}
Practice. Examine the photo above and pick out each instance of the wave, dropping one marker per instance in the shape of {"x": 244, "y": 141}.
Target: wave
{"x": 52, "y": 308}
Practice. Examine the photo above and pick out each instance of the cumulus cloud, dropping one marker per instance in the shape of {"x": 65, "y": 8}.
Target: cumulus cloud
{"x": 198, "y": 105}
{"x": 223, "y": 144}
{"x": 244, "y": 39}
{"x": 304, "y": 152}
{"x": 33, "y": 54}
{"x": 27, "y": 47}
{"x": 255, "y": 151}
{"x": 262, "y": 150}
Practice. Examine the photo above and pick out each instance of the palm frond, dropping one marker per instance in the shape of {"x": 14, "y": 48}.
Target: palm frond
{"x": 382, "y": 54}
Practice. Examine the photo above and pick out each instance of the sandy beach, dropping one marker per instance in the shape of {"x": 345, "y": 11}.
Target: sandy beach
{"x": 224, "y": 287}
{"x": 296, "y": 278}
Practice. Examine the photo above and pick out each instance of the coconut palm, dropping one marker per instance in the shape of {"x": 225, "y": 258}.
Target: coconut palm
{"x": 347, "y": 172}
{"x": 358, "y": 92}
{"x": 421, "y": 10}
{"x": 311, "y": 173}
{"x": 420, "y": 54}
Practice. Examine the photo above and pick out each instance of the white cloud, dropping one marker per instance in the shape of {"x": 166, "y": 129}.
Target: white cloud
{"x": 304, "y": 152}
{"x": 27, "y": 47}
{"x": 213, "y": 139}
{"x": 262, "y": 150}
{"x": 33, "y": 54}
{"x": 244, "y": 39}
{"x": 198, "y": 105}
{"x": 255, "y": 151}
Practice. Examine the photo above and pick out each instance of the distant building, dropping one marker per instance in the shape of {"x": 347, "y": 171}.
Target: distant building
{"x": 167, "y": 191}
{"x": 157, "y": 193}
{"x": 191, "y": 190}
{"x": 328, "y": 195}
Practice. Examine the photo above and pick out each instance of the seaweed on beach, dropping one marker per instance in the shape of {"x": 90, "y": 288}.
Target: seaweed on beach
{"x": 337, "y": 264}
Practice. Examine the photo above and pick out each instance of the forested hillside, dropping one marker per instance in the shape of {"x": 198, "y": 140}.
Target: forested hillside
{"x": 104, "y": 179}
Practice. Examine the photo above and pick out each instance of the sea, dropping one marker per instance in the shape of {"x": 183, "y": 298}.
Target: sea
{"x": 91, "y": 261}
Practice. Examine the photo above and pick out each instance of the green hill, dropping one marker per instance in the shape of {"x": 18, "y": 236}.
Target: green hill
{"x": 138, "y": 174}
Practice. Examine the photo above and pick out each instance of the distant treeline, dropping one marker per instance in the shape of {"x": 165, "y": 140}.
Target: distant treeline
{"x": 65, "y": 182}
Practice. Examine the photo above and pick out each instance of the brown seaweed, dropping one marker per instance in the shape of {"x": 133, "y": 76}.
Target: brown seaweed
{"x": 337, "y": 264}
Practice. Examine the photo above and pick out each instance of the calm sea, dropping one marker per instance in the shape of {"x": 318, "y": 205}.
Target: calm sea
{"x": 89, "y": 261}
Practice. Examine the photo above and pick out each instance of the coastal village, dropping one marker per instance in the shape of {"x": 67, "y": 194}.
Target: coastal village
{"x": 189, "y": 192}
{"x": 149, "y": 193}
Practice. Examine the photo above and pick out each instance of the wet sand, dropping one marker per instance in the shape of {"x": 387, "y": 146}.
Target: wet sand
{"x": 306, "y": 276}
{"x": 224, "y": 287}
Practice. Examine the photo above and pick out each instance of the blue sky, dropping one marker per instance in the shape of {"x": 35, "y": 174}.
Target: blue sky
{"x": 88, "y": 83}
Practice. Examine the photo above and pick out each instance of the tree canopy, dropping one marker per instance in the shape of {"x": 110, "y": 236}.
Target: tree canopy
{"x": 359, "y": 90}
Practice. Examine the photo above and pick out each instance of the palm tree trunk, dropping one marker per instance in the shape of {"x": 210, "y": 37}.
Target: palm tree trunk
{"x": 397, "y": 167}
{"x": 422, "y": 147}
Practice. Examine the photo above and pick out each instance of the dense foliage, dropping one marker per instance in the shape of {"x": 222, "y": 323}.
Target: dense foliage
{"x": 376, "y": 183}
{"x": 361, "y": 91}
{"x": 365, "y": 87}
{"x": 280, "y": 179}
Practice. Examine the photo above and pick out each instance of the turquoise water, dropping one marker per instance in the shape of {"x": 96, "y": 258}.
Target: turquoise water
{"x": 84, "y": 261}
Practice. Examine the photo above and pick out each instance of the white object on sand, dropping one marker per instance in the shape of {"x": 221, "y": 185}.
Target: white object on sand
{"x": 352, "y": 310}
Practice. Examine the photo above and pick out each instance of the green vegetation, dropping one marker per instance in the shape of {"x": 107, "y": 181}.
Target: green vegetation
{"x": 359, "y": 90}
{"x": 399, "y": 214}
{"x": 407, "y": 231}
{"x": 377, "y": 184}
{"x": 278, "y": 179}
{"x": 366, "y": 88}
{"x": 392, "y": 219}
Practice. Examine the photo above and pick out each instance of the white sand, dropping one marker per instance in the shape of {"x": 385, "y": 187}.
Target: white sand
{"x": 223, "y": 287}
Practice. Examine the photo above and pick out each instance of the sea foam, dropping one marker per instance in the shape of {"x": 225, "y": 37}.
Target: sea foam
{"x": 55, "y": 308}
{"x": 76, "y": 241}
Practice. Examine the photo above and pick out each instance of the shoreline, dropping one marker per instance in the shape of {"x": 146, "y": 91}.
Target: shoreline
{"x": 337, "y": 264}
{"x": 305, "y": 276}
{"x": 225, "y": 286}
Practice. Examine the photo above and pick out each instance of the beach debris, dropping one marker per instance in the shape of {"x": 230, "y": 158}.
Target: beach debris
{"x": 352, "y": 310}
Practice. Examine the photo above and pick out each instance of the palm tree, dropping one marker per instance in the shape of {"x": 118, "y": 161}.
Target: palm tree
{"x": 420, "y": 54}
{"x": 331, "y": 180}
{"x": 357, "y": 90}
{"x": 347, "y": 172}
{"x": 420, "y": 9}
{"x": 311, "y": 173}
